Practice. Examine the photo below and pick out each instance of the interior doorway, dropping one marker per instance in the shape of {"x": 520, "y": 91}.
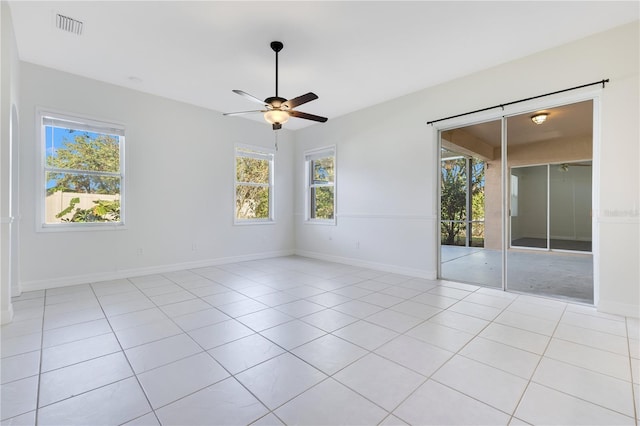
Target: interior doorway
{"x": 520, "y": 219}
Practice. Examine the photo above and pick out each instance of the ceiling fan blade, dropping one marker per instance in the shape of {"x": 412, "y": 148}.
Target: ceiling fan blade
{"x": 292, "y": 103}
{"x": 243, "y": 112}
{"x": 248, "y": 96}
{"x": 306, "y": 116}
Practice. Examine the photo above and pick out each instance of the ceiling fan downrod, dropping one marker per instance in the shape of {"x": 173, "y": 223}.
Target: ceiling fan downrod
{"x": 276, "y": 46}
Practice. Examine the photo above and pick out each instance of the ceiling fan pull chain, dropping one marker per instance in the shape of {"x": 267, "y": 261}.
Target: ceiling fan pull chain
{"x": 276, "y": 133}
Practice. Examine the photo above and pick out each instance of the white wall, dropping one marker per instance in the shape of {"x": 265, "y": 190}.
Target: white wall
{"x": 9, "y": 91}
{"x": 387, "y": 163}
{"x": 172, "y": 149}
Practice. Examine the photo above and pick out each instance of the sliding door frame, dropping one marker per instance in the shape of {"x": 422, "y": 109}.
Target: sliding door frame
{"x": 552, "y": 101}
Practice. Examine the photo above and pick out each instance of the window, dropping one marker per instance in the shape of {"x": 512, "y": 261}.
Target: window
{"x": 82, "y": 172}
{"x": 321, "y": 185}
{"x": 254, "y": 185}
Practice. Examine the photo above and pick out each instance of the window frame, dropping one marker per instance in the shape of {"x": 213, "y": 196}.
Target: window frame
{"x": 260, "y": 153}
{"x": 79, "y": 122}
{"x": 309, "y": 156}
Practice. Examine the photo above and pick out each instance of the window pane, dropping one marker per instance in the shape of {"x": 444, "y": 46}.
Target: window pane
{"x": 322, "y": 202}
{"x": 81, "y": 150}
{"x": 67, "y": 200}
{"x": 453, "y": 191}
{"x": 322, "y": 170}
{"x": 252, "y": 170}
{"x": 252, "y": 202}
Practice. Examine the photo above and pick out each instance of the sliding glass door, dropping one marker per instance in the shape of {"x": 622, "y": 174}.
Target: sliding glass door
{"x": 516, "y": 208}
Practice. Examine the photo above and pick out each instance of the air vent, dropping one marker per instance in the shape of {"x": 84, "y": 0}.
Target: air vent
{"x": 67, "y": 24}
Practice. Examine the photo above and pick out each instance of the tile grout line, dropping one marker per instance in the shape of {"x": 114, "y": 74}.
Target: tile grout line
{"x": 125, "y": 357}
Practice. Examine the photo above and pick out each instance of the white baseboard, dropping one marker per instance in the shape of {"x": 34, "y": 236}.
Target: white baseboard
{"x": 7, "y": 315}
{"x": 148, "y": 270}
{"x": 395, "y": 269}
{"x": 616, "y": 308}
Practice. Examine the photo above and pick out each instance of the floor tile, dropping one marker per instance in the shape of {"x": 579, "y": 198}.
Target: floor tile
{"x": 439, "y": 335}
{"x": 488, "y": 300}
{"x": 436, "y": 404}
{"x": 126, "y": 307}
{"x": 148, "y": 419}
{"x": 276, "y": 299}
{"x": 527, "y": 322}
{"x": 542, "y": 311}
{"x": 163, "y": 287}
{"x": 184, "y": 307}
{"x": 64, "y": 319}
{"x": 26, "y": 419}
{"x": 358, "y": 309}
{"x": 280, "y": 379}
{"x": 20, "y": 366}
{"x": 205, "y": 288}
{"x": 172, "y": 298}
{"x": 20, "y": 344}
{"x": 507, "y": 358}
{"x": 242, "y": 307}
{"x": 245, "y": 353}
{"x": 304, "y": 291}
{"x": 155, "y": 354}
{"x": 129, "y": 296}
{"x": 224, "y": 403}
{"x": 366, "y": 335}
{"x": 449, "y": 292}
{"x": 75, "y": 332}
{"x": 292, "y": 334}
{"x": 220, "y": 299}
{"x": 200, "y": 319}
{"x": 300, "y": 308}
{"x": 516, "y": 337}
{"x": 460, "y": 322}
{"x": 20, "y": 328}
{"x": 380, "y": 299}
{"x": 329, "y": 354}
{"x": 402, "y": 292}
{"x": 585, "y": 384}
{"x": 329, "y": 320}
{"x": 476, "y": 310}
{"x": 66, "y": 382}
{"x": 170, "y": 382}
{"x": 588, "y": 337}
{"x": 487, "y": 384}
{"x": 134, "y": 319}
{"x": 149, "y": 332}
{"x": 329, "y": 299}
{"x": 415, "y": 309}
{"x": 542, "y": 405}
{"x": 257, "y": 290}
{"x": 19, "y": 397}
{"x": 79, "y": 351}
{"x": 220, "y": 333}
{"x": 268, "y": 420}
{"x": 379, "y": 380}
{"x": 590, "y": 322}
{"x": 372, "y": 285}
{"x": 590, "y": 358}
{"x": 116, "y": 403}
{"x": 352, "y": 292}
{"x": 264, "y": 319}
{"x": 330, "y": 403}
{"x": 394, "y": 320}
{"x": 392, "y": 420}
{"x": 414, "y": 354}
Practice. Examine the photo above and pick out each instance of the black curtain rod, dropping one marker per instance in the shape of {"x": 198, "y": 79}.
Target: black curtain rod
{"x": 521, "y": 100}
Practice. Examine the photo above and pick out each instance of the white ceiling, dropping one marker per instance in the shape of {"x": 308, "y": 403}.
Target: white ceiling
{"x": 351, "y": 54}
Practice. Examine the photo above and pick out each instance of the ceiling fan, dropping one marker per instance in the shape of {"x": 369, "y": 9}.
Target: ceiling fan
{"x": 277, "y": 110}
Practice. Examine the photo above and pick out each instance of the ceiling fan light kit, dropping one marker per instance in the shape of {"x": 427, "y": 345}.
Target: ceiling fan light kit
{"x": 277, "y": 110}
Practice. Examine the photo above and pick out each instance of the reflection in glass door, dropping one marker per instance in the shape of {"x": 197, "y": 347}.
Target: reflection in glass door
{"x": 549, "y": 203}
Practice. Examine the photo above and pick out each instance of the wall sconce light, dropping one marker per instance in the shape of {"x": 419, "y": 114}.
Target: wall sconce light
{"x": 539, "y": 118}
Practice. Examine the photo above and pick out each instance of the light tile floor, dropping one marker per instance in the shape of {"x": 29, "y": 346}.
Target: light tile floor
{"x": 299, "y": 341}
